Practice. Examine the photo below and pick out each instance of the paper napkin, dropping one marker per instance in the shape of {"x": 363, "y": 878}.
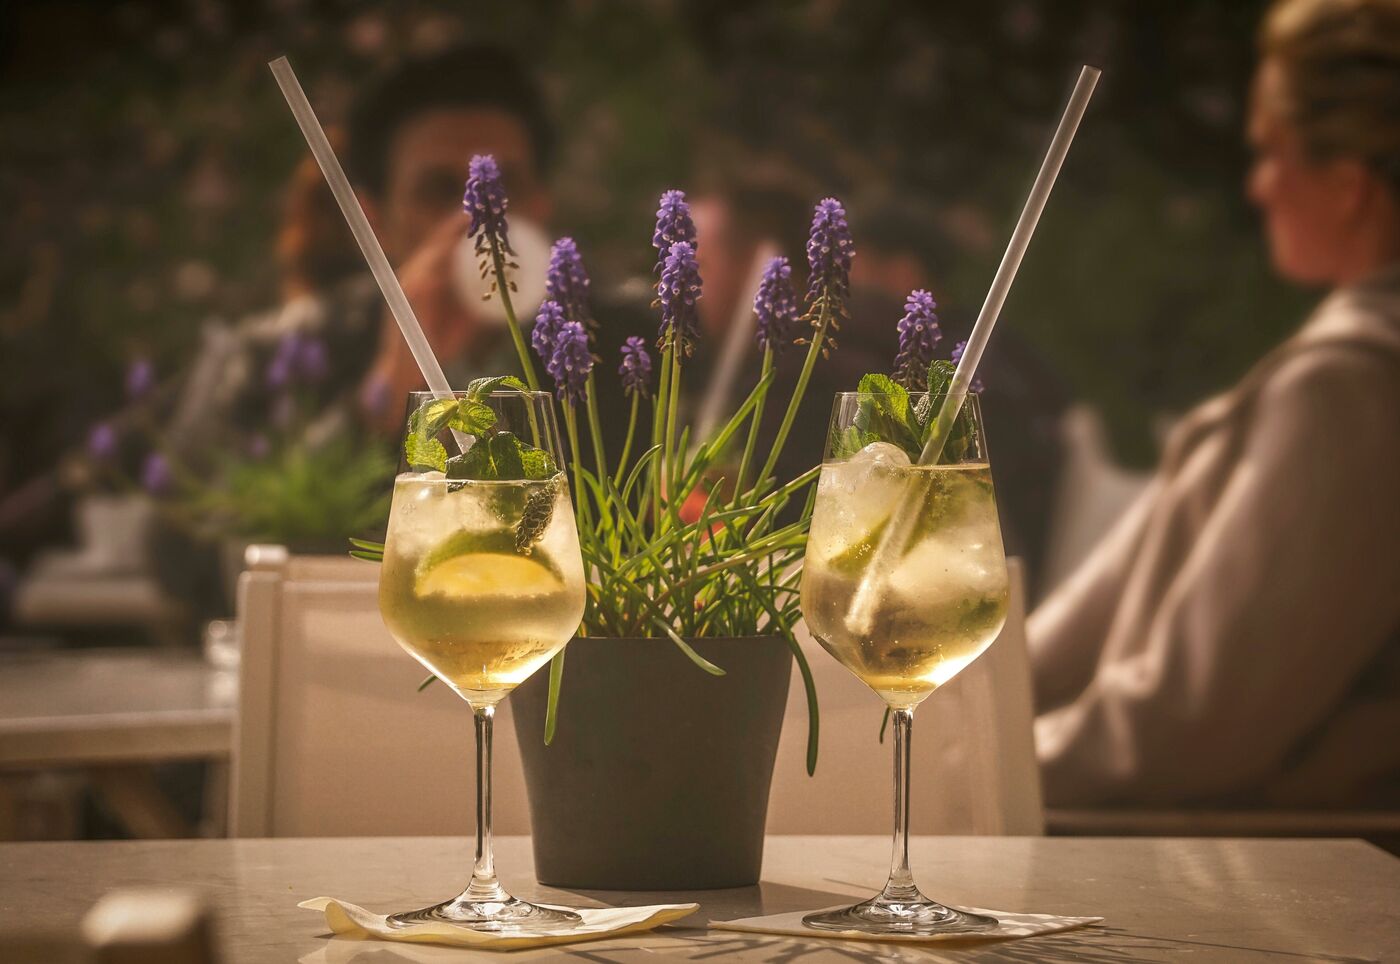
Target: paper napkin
{"x": 598, "y": 922}
{"x": 1009, "y": 925}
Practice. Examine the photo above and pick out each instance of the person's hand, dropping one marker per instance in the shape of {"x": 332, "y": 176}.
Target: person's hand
{"x": 451, "y": 328}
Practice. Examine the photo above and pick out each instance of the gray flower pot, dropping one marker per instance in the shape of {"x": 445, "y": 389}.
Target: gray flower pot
{"x": 659, "y": 772}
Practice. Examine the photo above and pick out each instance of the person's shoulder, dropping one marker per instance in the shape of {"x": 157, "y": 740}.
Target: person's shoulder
{"x": 1345, "y": 381}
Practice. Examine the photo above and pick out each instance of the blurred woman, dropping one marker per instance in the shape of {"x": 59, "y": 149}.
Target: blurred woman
{"x": 1234, "y": 639}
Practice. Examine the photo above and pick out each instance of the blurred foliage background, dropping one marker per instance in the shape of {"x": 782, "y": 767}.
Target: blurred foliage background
{"x": 144, "y": 150}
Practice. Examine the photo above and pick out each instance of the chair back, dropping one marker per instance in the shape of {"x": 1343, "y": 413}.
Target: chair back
{"x": 333, "y": 738}
{"x": 974, "y": 768}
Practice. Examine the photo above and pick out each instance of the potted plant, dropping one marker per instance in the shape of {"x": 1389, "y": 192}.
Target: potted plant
{"x": 648, "y": 763}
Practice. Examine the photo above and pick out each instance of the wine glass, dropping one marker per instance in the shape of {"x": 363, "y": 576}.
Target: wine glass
{"x": 482, "y": 583}
{"x": 919, "y": 547}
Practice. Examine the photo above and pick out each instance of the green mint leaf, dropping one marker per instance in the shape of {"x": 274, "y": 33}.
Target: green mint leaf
{"x": 887, "y": 414}
{"x": 538, "y": 463}
{"x": 505, "y": 454}
{"x": 424, "y": 453}
{"x": 849, "y": 441}
{"x": 940, "y": 376}
{"x": 481, "y": 387}
{"x": 962, "y": 439}
{"x": 499, "y": 456}
{"x": 472, "y": 417}
{"x": 421, "y": 449}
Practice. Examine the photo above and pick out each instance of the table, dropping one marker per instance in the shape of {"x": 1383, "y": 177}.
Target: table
{"x": 114, "y": 712}
{"x": 1211, "y": 900}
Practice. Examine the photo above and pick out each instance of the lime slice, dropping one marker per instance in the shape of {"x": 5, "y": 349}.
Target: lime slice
{"x": 484, "y": 563}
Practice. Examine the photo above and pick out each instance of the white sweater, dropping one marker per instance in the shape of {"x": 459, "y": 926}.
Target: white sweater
{"x": 1236, "y": 637}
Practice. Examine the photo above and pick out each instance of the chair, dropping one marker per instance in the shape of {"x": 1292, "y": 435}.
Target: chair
{"x": 974, "y": 769}
{"x": 1093, "y": 491}
{"x": 332, "y": 738}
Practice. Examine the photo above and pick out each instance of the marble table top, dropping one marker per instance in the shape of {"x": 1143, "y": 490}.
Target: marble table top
{"x": 1163, "y": 899}
{"x": 102, "y": 706}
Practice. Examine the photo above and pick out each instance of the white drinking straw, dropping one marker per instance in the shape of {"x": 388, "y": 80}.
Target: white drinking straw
{"x": 359, "y": 227}
{"x": 896, "y": 534}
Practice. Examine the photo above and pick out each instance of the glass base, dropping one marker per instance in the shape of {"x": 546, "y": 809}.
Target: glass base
{"x": 509, "y": 915}
{"x": 883, "y": 915}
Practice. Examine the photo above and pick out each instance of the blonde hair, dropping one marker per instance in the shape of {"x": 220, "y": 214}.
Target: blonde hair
{"x": 1340, "y": 61}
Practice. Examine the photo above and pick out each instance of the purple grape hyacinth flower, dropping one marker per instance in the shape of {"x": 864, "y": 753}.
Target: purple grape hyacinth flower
{"x": 485, "y": 201}
{"x": 956, "y": 357}
{"x": 919, "y": 335}
{"x": 775, "y": 306}
{"x": 103, "y": 442}
{"x": 829, "y": 251}
{"x": 548, "y": 320}
{"x": 571, "y": 362}
{"x": 312, "y": 360}
{"x": 679, "y": 290}
{"x": 635, "y": 368}
{"x": 567, "y": 282}
{"x": 140, "y": 379}
{"x": 673, "y": 223}
{"x": 282, "y": 369}
{"x": 156, "y": 475}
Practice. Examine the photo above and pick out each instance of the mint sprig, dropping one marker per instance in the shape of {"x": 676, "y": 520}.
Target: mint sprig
{"x": 888, "y": 416}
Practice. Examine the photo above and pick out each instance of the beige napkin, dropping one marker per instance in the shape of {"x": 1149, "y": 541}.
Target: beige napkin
{"x": 1009, "y": 926}
{"x": 598, "y": 922}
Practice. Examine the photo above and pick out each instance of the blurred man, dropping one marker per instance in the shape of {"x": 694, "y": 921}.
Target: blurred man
{"x": 411, "y": 134}
{"x": 1236, "y": 638}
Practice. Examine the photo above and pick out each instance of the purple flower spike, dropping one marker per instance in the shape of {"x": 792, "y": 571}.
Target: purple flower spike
{"x": 259, "y": 447}
{"x": 313, "y": 362}
{"x": 156, "y": 476}
{"x": 673, "y": 224}
{"x": 140, "y": 379}
{"x": 956, "y": 357}
{"x": 282, "y": 369}
{"x": 571, "y": 362}
{"x": 566, "y": 281}
{"x": 679, "y": 290}
{"x": 548, "y": 320}
{"x": 775, "y": 306}
{"x": 102, "y": 442}
{"x": 919, "y": 335}
{"x": 486, "y": 202}
{"x": 636, "y": 367}
{"x": 829, "y": 251}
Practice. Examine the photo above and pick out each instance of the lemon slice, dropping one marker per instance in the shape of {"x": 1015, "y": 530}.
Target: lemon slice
{"x": 487, "y": 574}
{"x": 484, "y": 563}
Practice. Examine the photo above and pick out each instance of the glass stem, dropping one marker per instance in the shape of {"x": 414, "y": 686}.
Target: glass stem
{"x": 484, "y": 885}
{"x": 901, "y": 886}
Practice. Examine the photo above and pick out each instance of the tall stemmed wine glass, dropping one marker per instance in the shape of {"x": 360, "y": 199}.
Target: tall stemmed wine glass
{"x": 940, "y": 599}
{"x": 482, "y": 583}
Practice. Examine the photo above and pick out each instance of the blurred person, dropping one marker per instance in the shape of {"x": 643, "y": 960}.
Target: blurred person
{"x": 1235, "y": 640}
{"x": 410, "y": 136}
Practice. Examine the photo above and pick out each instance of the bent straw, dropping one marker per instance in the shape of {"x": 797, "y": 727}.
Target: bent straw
{"x": 896, "y": 534}
{"x": 364, "y": 235}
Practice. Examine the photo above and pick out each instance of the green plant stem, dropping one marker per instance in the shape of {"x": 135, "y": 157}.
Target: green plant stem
{"x": 551, "y": 706}
{"x": 595, "y": 428}
{"x": 627, "y": 445}
{"x": 585, "y": 519}
{"x": 498, "y": 266}
{"x": 749, "y": 446}
{"x": 672, "y": 414}
{"x": 813, "y": 352}
{"x": 658, "y": 426}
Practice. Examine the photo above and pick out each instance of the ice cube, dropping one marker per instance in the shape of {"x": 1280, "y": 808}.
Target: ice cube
{"x": 881, "y": 455}
{"x": 857, "y": 495}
